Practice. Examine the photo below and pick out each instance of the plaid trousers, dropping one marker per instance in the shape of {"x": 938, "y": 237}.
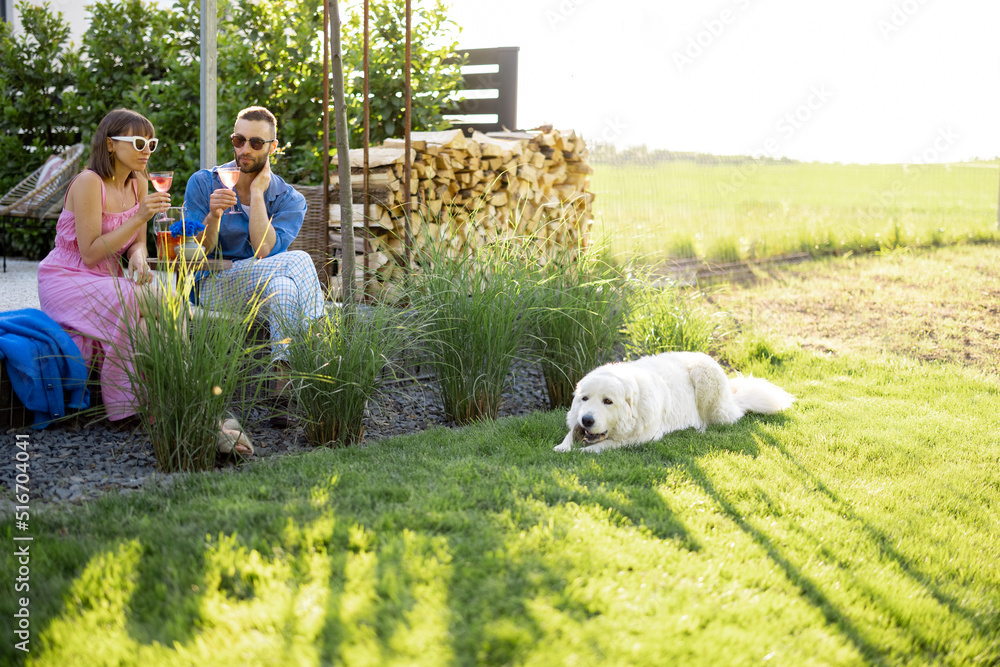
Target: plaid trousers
{"x": 287, "y": 284}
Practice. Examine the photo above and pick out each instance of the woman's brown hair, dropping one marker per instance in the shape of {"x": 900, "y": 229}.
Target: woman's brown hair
{"x": 118, "y": 122}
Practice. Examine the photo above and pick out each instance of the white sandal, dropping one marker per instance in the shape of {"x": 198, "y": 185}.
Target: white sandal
{"x": 232, "y": 438}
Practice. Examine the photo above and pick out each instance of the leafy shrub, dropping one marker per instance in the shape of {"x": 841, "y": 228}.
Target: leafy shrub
{"x": 34, "y": 241}
{"x": 271, "y": 54}
{"x": 128, "y": 45}
{"x": 142, "y": 56}
{"x": 36, "y": 66}
{"x": 433, "y": 80}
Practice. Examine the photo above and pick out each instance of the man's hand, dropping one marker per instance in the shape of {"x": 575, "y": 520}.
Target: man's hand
{"x": 262, "y": 179}
{"x": 220, "y": 200}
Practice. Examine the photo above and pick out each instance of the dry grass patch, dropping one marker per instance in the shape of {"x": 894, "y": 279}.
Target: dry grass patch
{"x": 931, "y": 305}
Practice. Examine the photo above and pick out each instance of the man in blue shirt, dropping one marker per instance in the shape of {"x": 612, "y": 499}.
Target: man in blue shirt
{"x": 268, "y": 216}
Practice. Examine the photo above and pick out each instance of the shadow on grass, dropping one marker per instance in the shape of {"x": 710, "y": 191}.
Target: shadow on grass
{"x": 888, "y": 547}
{"x": 495, "y": 548}
{"x": 595, "y": 481}
{"x": 455, "y": 548}
{"x": 810, "y": 591}
{"x": 854, "y": 629}
{"x": 165, "y": 606}
{"x": 416, "y": 540}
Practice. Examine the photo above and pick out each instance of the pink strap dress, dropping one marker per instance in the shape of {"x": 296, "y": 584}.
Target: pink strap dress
{"x": 94, "y": 304}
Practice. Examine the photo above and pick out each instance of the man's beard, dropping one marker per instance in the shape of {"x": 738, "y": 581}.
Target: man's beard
{"x": 254, "y": 167}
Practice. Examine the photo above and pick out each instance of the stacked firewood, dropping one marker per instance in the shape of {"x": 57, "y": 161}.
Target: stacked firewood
{"x": 466, "y": 192}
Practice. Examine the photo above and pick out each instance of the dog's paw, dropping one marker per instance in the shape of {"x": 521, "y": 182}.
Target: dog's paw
{"x": 562, "y": 447}
{"x": 594, "y": 449}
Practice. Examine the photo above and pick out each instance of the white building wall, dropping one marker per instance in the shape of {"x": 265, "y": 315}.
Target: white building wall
{"x": 73, "y": 11}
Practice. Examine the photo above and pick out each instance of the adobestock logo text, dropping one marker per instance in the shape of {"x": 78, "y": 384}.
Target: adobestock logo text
{"x": 899, "y": 16}
{"x": 562, "y": 12}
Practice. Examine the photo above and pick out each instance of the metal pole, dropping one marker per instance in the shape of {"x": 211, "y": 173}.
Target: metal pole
{"x": 209, "y": 82}
{"x": 326, "y": 139}
{"x": 408, "y": 244}
{"x": 343, "y": 160}
{"x": 366, "y": 104}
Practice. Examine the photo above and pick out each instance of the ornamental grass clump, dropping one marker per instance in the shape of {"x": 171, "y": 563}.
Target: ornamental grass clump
{"x": 582, "y": 308}
{"x": 187, "y": 365}
{"x": 480, "y": 316}
{"x": 338, "y": 364}
{"x": 672, "y": 319}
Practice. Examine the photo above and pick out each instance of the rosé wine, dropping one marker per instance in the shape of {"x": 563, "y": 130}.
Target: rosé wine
{"x": 161, "y": 180}
{"x": 229, "y": 177}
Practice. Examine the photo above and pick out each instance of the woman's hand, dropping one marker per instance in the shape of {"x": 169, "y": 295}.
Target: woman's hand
{"x": 153, "y": 203}
{"x": 138, "y": 269}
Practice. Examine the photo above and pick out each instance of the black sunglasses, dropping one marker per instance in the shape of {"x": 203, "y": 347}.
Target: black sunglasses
{"x": 256, "y": 143}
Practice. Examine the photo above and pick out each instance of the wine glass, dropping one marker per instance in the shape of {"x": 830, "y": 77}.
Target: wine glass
{"x": 161, "y": 180}
{"x": 161, "y": 183}
{"x": 229, "y": 175}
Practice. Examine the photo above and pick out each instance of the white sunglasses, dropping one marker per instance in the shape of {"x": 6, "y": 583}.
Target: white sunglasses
{"x": 139, "y": 143}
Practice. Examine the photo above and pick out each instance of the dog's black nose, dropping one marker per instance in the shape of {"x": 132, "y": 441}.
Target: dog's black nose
{"x": 587, "y": 421}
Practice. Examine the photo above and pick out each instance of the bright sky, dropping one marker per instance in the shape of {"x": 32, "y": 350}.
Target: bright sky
{"x": 832, "y": 80}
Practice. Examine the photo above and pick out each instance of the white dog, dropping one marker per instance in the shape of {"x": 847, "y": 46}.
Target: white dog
{"x": 640, "y": 401}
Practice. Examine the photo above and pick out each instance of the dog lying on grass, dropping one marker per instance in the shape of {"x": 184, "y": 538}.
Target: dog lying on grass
{"x": 629, "y": 403}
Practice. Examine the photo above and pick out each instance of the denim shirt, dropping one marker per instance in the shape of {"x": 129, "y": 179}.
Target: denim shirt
{"x": 286, "y": 209}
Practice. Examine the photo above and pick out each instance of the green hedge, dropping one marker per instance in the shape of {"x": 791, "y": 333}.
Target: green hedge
{"x": 270, "y": 52}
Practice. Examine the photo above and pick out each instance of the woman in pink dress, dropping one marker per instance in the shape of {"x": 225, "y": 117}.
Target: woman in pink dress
{"x": 81, "y": 283}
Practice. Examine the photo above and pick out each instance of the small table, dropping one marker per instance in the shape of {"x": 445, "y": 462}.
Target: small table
{"x": 194, "y": 265}
{"x": 170, "y": 270}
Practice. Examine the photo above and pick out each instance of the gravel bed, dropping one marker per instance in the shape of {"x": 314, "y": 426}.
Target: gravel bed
{"x": 73, "y": 464}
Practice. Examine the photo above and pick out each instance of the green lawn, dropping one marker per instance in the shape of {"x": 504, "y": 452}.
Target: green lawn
{"x": 738, "y": 211}
{"x": 862, "y": 526}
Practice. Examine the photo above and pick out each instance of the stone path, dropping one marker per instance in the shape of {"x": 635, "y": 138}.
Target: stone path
{"x": 75, "y": 464}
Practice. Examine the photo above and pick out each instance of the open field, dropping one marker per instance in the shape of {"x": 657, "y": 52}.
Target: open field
{"x": 737, "y": 211}
{"x": 861, "y": 527}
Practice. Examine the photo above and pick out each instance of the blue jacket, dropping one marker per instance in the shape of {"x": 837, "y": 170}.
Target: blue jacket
{"x": 42, "y": 362}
